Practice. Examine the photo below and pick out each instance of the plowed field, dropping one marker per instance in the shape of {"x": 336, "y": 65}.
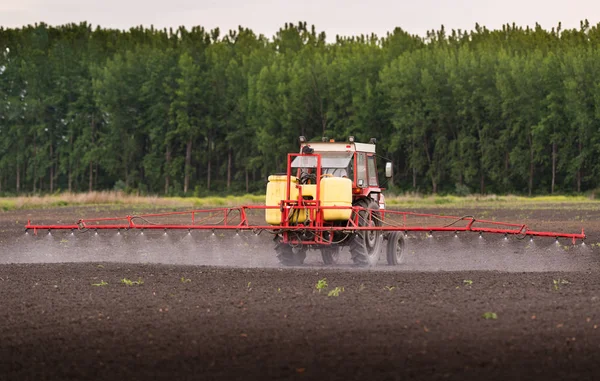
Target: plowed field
{"x": 222, "y": 308}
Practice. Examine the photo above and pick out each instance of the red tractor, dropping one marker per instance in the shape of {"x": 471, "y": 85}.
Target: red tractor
{"x": 331, "y": 185}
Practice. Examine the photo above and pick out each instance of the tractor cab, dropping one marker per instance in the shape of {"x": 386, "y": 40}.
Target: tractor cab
{"x": 355, "y": 161}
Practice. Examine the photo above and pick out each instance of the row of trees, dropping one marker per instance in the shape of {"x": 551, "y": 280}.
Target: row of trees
{"x": 181, "y": 111}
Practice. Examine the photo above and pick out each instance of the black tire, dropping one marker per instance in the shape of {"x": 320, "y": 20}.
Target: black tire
{"x": 365, "y": 246}
{"x": 289, "y": 256}
{"x": 395, "y": 248}
{"x": 330, "y": 255}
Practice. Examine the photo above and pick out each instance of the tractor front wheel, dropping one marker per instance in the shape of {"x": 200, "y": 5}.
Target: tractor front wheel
{"x": 365, "y": 245}
{"x": 290, "y": 256}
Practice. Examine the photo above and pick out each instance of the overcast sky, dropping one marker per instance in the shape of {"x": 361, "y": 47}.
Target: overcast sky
{"x": 343, "y": 17}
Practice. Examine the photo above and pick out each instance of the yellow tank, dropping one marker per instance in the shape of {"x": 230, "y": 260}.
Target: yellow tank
{"x": 336, "y": 191}
{"x": 276, "y": 189}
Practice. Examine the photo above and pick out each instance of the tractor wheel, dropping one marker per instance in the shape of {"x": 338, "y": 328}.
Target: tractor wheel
{"x": 365, "y": 246}
{"x": 330, "y": 255}
{"x": 289, "y": 256}
{"x": 395, "y": 248}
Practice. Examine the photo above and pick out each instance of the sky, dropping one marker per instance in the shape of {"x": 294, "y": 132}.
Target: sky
{"x": 334, "y": 17}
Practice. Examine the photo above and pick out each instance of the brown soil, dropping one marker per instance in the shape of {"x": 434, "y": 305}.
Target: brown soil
{"x": 192, "y": 321}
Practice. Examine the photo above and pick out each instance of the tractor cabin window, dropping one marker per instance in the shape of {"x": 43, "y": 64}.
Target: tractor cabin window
{"x": 372, "y": 171}
{"x": 361, "y": 169}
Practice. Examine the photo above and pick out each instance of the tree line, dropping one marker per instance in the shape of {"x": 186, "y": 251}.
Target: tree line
{"x": 178, "y": 111}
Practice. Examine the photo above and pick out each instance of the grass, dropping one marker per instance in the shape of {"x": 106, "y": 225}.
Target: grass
{"x": 408, "y": 200}
{"x": 120, "y": 198}
{"x": 489, "y": 201}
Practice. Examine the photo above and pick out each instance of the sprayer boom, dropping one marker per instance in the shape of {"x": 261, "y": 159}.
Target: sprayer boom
{"x": 314, "y": 232}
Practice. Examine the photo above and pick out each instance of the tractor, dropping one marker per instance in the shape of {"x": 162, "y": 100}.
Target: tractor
{"x": 331, "y": 184}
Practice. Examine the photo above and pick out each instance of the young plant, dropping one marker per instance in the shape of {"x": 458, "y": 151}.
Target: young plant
{"x": 467, "y": 282}
{"x": 185, "y": 280}
{"x": 102, "y": 283}
{"x": 321, "y": 284}
{"x": 490, "y": 316}
{"x": 336, "y": 291}
{"x": 390, "y": 288}
{"x": 558, "y": 282}
{"x": 130, "y": 282}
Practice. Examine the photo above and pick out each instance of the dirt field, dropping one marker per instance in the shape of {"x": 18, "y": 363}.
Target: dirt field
{"x": 197, "y": 317}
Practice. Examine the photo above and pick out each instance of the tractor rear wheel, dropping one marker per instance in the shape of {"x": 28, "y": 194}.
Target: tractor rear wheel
{"x": 365, "y": 245}
{"x": 330, "y": 254}
{"x": 395, "y": 248}
{"x": 290, "y": 256}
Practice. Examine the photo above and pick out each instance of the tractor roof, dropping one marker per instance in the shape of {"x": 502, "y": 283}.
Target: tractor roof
{"x": 339, "y": 147}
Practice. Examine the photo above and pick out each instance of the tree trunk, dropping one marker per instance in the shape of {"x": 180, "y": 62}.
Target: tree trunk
{"x": 553, "y": 167}
{"x": 531, "y": 167}
{"x": 482, "y": 183}
{"x": 579, "y": 171}
{"x": 208, "y": 165}
{"x": 51, "y": 169}
{"x": 188, "y": 162}
{"x": 90, "y": 182}
{"x": 168, "y": 168}
{"x": 414, "y": 178}
{"x": 247, "y": 182}
{"x": 18, "y": 177}
{"x": 228, "y": 169}
{"x": 70, "y": 170}
{"x": 34, "y": 164}
{"x": 431, "y": 166}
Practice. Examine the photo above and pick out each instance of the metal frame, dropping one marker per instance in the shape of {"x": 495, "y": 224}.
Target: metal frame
{"x": 319, "y": 230}
{"x": 237, "y": 219}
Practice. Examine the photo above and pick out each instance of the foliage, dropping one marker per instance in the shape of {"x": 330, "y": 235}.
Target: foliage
{"x": 336, "y": 291}
{"x": 193, "y": 112}
{"x": 321, "y": 284}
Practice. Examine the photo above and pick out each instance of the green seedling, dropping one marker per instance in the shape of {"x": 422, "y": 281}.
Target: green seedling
{"x": 249, "y": 283}
{"x": 490, "y": 316}
{"x": 185, "y": 280}
{"x": 102, "y": 283}
{"x": 336, "y": 291}
{"x": 321, "y": 284}
{"x": 390, "y": 288}
{"x": 361, "y": 287}
{"x": 467, "y": 282}
{"x": 130, "y": 282}
{"x": 278, "y": 289}
{"x": 558, "y": 282}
